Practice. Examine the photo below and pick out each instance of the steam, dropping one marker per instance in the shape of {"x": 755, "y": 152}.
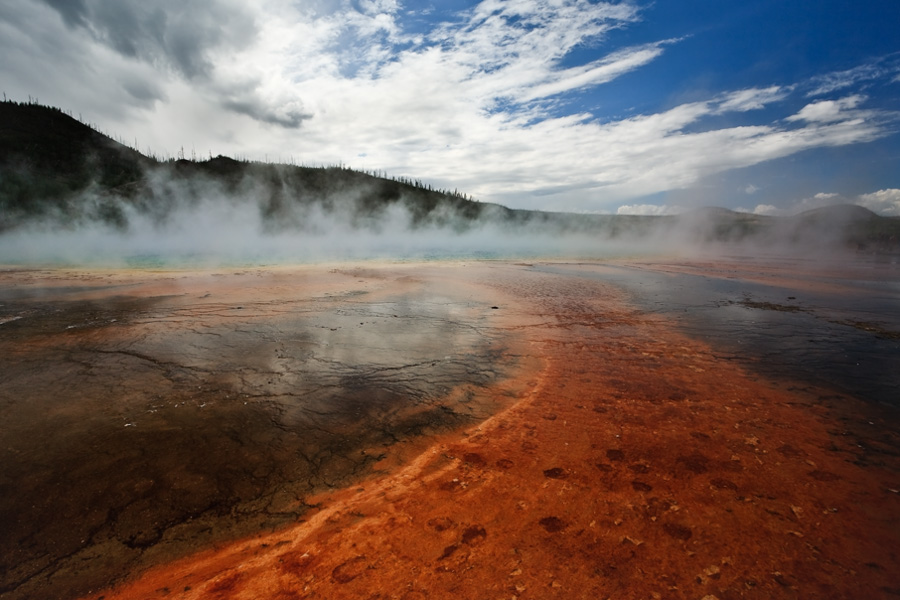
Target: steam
{"x": 201, "y": 219}
{"x": 199, "y": 222}
{"x": 209, "y": 234}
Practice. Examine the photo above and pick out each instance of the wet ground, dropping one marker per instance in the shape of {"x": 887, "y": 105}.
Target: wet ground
{"x": 831, "y": 323}
{"x": 658, "y": 432}
{"x": 147, "y": 415}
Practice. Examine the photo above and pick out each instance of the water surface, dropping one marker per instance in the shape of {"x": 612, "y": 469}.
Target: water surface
{"x": 794, "y": 319}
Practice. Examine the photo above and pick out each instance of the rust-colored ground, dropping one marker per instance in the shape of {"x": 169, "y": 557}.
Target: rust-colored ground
{"x": 636, "y": 463}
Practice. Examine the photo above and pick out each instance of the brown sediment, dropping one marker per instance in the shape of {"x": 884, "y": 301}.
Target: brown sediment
{"x": 634, "y": 463}
{"x": 150, "y": 414}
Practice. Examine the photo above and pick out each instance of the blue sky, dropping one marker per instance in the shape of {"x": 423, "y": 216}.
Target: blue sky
{"x": 631, "y": 107}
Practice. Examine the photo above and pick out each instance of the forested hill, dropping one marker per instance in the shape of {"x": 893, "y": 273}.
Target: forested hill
{"x": 56, "y": 171}
{"x": 52, "y": 166}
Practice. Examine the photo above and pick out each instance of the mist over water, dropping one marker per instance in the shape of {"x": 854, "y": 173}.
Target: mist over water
{"x": 70, "y": 195}
{"x": 238, "y": 237}
{"x": 223, "y": 211}
{"x": 217, "y": 230}
{"x": 222, "y": 229}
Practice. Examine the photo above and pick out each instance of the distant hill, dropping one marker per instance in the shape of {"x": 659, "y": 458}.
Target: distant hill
{"x": 59, "y": 172}
{"x": 53, "y": 166}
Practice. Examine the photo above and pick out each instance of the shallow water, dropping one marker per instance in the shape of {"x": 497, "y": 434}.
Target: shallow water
{"x": 794, "y": 320}
{"x": 145, "y": 420}
{"x": 153, "y": 418}
{"x": 641, "y": 463}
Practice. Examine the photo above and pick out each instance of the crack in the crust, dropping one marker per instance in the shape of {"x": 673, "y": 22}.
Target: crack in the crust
{"x": 160, "y": 530}
{"x": 327, "y": 361}
{"x": 156, "y": 361}
{"x": 143, "y": 540}
{"x": 334, "y": 460}
{"x": 55, "y": 563}
{"x": 376, "y": 370}
{"x": 250, "y": 310}
{"x": 196, "y": 332}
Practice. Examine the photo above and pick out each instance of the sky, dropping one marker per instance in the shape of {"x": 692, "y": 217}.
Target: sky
{"x": 645, "y": 107}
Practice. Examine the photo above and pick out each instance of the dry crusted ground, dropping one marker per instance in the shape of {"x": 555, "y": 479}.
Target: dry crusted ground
{"x": 637, "y": 464}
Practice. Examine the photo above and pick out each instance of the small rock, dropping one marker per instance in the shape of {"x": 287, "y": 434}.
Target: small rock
{"x": 780, "y": 579}
{"x": 713, "y": 572}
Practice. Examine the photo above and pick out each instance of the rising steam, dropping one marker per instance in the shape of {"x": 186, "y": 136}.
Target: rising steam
{"x": 228, "y": 212}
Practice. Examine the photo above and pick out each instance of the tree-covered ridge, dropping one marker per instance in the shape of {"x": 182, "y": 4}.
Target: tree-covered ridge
{"x": 58, "y": 171}
{"x": 53, "y": 165}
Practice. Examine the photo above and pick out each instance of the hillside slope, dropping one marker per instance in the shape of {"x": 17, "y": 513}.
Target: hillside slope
{"x": 54, "y": 167}
{"x": 60, "y": 173}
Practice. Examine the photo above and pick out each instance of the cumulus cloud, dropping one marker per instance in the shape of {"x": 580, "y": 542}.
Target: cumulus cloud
{"x": 766, "y": 210}
{"x": 183, "y": 35}
{"x": 818, "y": 200}
{"x": 829, "y": 111}
{"x": 195, "y": 42}
{"x": 648, "y": 209}
{"x": 470, "y": 103}
{"x": 884, "y": 202}
{"x": 652, "y": 153}
{"x": 288, "y": 114}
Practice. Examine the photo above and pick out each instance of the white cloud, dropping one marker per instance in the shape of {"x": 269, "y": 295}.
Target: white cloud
{"x": 751, "y": 189}
{"x": 597, "y": 72}
{"x": 818, "y": 201}
{"x": 751, "y": 99}
{"x": 648, "y": 209}
{"x": 827, "y": 111}
{"x": 883, "y": 202}
{"x": 825, "y": 197}
{"x": 767, "y": 210}
{"x": 469, "y": 104}
{"x": 877, "y": 69}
